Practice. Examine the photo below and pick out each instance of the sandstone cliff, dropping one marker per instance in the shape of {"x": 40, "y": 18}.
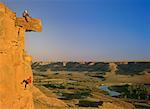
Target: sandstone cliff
{"x": 15, "y": 64}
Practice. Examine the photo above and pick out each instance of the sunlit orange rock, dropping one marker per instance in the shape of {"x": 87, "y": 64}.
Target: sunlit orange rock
{"x": 15, "y": 63}
{"x": 31, "y": 25}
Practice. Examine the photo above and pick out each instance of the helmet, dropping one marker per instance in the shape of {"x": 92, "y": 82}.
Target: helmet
{"x": 26, "y": 11}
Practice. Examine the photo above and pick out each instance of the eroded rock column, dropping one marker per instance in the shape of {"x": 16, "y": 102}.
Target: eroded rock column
{"x": 15, "y": 63}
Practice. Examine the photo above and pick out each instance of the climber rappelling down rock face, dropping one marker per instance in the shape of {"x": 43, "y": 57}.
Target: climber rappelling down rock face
{"x": 27, "y": 82}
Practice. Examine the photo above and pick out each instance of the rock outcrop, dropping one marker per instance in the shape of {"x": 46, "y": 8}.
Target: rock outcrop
{"x": 32, "y": 25}
{"x": 15, "y": 63}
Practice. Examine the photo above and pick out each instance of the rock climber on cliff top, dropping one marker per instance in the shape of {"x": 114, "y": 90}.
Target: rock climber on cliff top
{"x": 26, "y": 15}
{"x": 27, "y": 82}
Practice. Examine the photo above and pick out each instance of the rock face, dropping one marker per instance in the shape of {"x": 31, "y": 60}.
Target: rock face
{"x": 32, "y": 25}
{"x": 15, "y": 64}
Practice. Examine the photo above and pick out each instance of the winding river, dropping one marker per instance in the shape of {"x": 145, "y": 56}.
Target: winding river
{"x": 111, "y": 93}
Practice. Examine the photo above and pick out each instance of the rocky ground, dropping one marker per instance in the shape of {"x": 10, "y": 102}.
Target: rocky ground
{"x": 81, "y": 89}
{"x": 78, "y": 90}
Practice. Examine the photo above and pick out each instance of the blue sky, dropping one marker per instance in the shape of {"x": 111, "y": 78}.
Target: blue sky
{"x": 88, "y": 30}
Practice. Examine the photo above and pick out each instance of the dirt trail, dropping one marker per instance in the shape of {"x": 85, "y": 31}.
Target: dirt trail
{"x": 112, "y": 73}
{"x": 113, "y": 68}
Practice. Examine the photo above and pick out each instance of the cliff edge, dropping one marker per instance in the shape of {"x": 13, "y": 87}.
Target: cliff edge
{"x": 15, "y": 63}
